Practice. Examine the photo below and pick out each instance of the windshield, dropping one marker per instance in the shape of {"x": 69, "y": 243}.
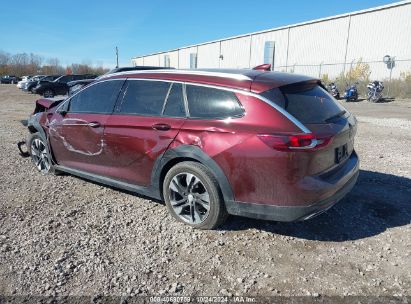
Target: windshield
{"x": 48, "y": 78}
{"x": 58, "y": 79}
{"x": 308, "y": 102}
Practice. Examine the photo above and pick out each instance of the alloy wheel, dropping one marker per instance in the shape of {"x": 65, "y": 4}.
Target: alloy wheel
{"x": 189, "y": 198}
{"x": 40, "y": 156}
{"x": 48, "y": 94}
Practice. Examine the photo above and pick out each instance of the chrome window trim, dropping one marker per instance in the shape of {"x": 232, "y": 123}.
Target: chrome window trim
{"x": 282, "y": 111}
{"x": 248, "y": 93}
{"x": 186, "y": 101}
{"x": 166, "y": 99}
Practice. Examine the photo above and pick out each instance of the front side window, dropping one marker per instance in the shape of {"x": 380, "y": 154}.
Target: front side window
{"x": 98, "y": 98}
{"x": 143, "y": 97}
{"x": 212, "y": 103}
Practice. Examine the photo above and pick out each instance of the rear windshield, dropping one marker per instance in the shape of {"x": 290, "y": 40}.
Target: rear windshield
{"x": 308, "y": 102}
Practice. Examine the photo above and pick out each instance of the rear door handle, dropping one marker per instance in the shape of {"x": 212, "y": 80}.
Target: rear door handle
{"x": 161, "y": 127}
{"x": 94, "y": 124}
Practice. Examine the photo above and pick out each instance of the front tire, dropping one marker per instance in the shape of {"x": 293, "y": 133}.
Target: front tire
{"x": 39, "y": 153}
{"x": 192, "y": 195}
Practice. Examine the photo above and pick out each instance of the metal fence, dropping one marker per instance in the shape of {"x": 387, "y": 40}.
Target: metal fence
{"x": 396, "y": 77}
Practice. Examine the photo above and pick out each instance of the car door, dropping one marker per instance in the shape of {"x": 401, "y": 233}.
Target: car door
{"x": 76, "y": 129}
{"x": 146, "y": 119}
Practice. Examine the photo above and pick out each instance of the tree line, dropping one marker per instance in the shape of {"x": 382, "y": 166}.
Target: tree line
{"x": 31, "y": 64}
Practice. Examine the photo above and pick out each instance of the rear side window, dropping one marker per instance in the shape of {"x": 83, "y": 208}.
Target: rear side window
{"x": 143, "y": 97}
{"x": 211, "y": 103}
{"x": 98, "y": 98}
{"x": 307, "y": 102}
{"x": 174, "y": 106}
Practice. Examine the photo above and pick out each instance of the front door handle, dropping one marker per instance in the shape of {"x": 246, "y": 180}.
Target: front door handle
{"x": 94, "y": 124}
{"x": 161, "y": 127}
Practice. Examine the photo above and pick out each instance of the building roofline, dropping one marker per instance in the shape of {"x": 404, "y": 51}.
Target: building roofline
{"x": 359, "y": 12}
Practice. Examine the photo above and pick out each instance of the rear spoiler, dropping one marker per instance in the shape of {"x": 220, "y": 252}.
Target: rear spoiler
{"x": 263, "y": 67}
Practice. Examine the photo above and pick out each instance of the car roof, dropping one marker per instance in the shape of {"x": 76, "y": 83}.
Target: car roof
{"x": 256, "y": 81}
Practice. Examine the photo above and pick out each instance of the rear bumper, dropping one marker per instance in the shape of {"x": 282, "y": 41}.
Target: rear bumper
{"x": 295, "y": 213}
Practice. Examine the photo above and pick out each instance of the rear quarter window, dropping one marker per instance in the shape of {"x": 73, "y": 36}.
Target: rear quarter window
{"x": 307, "y": 102}
{"x": 211, "y": 103}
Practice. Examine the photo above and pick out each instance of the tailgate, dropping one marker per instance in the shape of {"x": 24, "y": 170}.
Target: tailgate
{"x": 341, "y": 146}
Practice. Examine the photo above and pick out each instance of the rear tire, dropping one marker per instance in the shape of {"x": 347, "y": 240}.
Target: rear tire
{"x": 193, "y": 196}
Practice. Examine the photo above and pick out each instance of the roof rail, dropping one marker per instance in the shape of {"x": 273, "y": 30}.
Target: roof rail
{"x": 222, "y": 74}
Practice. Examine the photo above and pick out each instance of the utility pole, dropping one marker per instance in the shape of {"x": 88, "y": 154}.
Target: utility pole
{"x": 117, "y": 56}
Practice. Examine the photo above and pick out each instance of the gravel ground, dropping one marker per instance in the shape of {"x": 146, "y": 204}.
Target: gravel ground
{"x": 61, "y": 235}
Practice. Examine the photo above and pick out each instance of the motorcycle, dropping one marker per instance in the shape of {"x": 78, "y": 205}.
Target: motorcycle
{"x": 334, "y": 90}
{"x": 375, "y": 89}
{"x": 351, "y": 93}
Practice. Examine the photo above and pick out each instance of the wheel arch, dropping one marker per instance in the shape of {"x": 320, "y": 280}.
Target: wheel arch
{"x": 189, "y": 153}
{"x": 34, "y": 126}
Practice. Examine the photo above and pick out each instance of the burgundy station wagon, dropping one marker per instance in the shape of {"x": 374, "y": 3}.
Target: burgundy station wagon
{"x": 253, "y": 143}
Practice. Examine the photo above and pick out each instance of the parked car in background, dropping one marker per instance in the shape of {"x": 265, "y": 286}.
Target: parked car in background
{"x": 253, "y": 143}
{"x": 23, "y": 81}
{"x": 8, "y": 79}
{"x": 30, "y": 85}
{"x": 59, "y": 86}
{"x": 33, "y": 79}
{"x": 76, "y": 85}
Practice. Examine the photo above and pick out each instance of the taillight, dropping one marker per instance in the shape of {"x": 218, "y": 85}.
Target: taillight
{"x": 294, "y": 142}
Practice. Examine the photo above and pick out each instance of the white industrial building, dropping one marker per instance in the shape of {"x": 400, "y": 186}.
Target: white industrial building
{"x": 324, "y": 46}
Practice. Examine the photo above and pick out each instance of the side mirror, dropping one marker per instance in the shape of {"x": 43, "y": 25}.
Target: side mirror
{"x": 64, "y": 109}
{"x": 62, "y": 112}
